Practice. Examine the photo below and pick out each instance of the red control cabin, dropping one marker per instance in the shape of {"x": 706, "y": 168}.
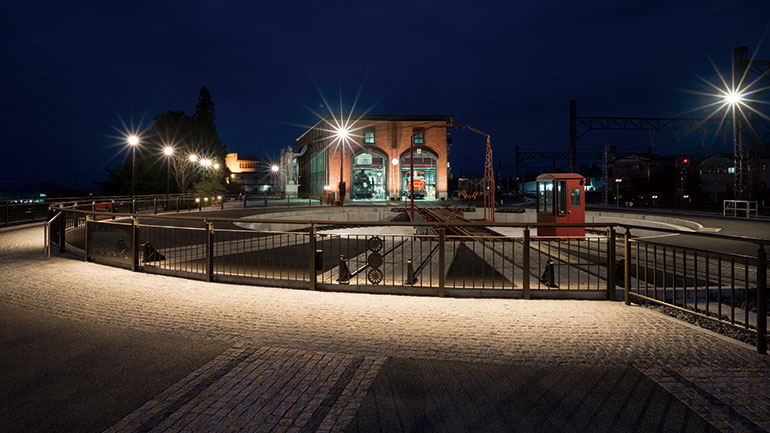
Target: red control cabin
{"x": 560, "y": 200}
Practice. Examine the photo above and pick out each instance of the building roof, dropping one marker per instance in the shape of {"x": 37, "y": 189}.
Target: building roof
{"x": 383, "y": 118}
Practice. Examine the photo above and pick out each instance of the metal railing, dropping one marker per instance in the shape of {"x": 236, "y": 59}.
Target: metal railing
{"x": 394, "y": 257}
{"x": 724, "y": 287}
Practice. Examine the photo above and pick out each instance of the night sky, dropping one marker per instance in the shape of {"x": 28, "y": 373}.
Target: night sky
{"x": 73, "y": 72}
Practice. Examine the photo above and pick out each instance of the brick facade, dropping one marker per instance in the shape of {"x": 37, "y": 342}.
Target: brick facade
{"x": 392, "y": 138}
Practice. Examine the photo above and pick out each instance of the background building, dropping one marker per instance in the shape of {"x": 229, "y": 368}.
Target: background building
{"x": 376, "y": 161}
{"x": 252, "y": 173}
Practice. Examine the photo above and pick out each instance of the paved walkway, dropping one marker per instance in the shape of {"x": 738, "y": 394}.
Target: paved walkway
{"x": 309, "y": 338}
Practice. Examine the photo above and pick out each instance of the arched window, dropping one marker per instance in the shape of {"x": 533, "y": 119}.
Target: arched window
{"x": 425, "y": 174}
{"x": 369, "y": 175}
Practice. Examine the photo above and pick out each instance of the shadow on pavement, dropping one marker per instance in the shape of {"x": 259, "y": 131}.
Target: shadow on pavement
{"x": 416, "y": 395}
{"x": 59, "y": 375}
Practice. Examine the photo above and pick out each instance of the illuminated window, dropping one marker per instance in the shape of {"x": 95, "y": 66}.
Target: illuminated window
{"x": 731, "y": 170}
{"x": 369, "y": 136}
{"x": 419, "y": 138}
{"x": 574, "y": 197}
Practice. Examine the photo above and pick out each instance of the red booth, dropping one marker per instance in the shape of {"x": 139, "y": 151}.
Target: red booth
{"x": 560, "y": 200}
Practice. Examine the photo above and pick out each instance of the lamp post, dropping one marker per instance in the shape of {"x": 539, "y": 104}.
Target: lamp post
{"x": 168, "y": 151}
{"x": 733, "y": 99}
{"x": 342, "y": 135}
{"x": 133, "y": 141}
{"x": 617, "y": 192}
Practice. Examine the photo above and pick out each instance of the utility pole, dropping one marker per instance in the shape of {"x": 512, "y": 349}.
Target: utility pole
{"x": 605, "y": 171}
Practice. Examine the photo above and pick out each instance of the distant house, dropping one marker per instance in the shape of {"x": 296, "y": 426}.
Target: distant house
{"x": 641, "y": 175}
{"x": 716, "y": 175}
{"x": 252, "y": 172}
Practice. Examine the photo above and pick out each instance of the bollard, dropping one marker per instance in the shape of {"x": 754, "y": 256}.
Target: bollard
{"x": 548, "y": 277}
{"x": 525, "y": 267}
{"x": 344, "y": 272}
{"x": 410, "y": 278}
{"x": 761, "y": 300}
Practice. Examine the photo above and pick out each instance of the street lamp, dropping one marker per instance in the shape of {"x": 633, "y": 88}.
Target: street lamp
{"x": 617, "y": 192}
{"x": 342, "y": 135}
{"x": 733, "y": 99}
{"x": 274, "y": 168}
{"x": 168, "y": 151}
{"x": 133, "y": 141}
{"x": 193, "y": 158}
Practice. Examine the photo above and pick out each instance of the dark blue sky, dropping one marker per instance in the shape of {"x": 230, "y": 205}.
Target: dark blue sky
{"x": 73, "y": 71}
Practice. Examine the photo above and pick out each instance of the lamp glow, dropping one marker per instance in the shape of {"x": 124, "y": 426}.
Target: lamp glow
{"x": 133, "y": 140}
{"x": 168, "y": 150}
{"x": 193, "y": 158}
{"x": 274, "y": 168}
{"x": 343, "y": 132}
{"x": 732, "y": 97}
{"x": 394, "y": 161}
{"x": 216, "y": 166}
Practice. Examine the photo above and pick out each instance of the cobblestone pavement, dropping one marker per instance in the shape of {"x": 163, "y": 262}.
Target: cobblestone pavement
{"x": 372, "y": 327}
{"x": 263, "y": 389}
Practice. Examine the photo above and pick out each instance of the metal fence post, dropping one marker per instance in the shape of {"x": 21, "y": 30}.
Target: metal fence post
{"x": 627, "y": 267}
{"x": 525, "y": 266}
{"x": 87, "y": 242}
{"x": 209, "y": 251}
{"x": 611, "y": 265}
{"x": 441, "y": 256}
{"x": 155, "y": 205}
{"x": 177, "y": 205}
{"x": 134, "y": 244}
{"x": 761, "y": 300}
{"x": 313, "y": 276}
{"x": 133, "y": 205}
{"x": 62, "y": 232}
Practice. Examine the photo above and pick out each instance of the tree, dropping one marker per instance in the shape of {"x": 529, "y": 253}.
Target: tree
{"x": 188, "y": 135}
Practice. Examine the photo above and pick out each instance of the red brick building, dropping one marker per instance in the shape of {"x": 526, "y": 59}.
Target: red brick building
{"x": 376, "y": 158}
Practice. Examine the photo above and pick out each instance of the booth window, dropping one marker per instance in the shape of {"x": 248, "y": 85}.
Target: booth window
{"x": 540, "y": 197}
{"x": 561, "y": 207}
{"x": 574, "y": 197}
{"x": 548, "y": 198}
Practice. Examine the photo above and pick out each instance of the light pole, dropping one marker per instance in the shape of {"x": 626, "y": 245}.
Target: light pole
{"x": 617, "y": 192}
{"x": 274, "y": 171}
{"x": 342, "y": 135}
{"x": 168, "y": 151}
{"x": 733, "y": 99}
{"x": 133, "y": 141}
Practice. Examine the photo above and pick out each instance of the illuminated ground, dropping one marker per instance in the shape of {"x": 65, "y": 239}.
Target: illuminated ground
{"x": 720, "y": 379}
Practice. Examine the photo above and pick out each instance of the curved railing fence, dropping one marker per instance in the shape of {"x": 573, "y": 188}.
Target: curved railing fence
{"x": 426, "y": 258}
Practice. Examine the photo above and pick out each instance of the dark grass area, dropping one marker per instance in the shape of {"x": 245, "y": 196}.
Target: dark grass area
{"x": 419, "y": 395}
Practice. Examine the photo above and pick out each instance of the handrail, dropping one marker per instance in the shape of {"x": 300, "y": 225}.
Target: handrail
{"x": 755, "y": 240}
